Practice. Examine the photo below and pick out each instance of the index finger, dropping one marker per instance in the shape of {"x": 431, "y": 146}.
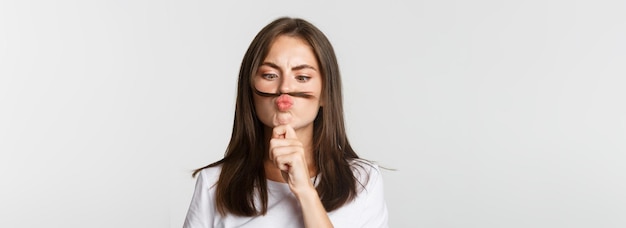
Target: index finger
{"x": 290, "y": 132}
{"x": 284, "y": 131}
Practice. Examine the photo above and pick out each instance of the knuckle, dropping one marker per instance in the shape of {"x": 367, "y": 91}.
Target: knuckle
{"x": 273, "y": 142}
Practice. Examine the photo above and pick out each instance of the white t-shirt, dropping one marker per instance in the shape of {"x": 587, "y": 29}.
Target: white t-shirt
{"x": 368, "y": 209}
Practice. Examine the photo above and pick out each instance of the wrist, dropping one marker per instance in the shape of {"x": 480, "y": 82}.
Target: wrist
{"x": 306, "y": 193}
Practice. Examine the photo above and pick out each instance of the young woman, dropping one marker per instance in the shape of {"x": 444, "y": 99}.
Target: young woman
{"x": 289, "y": 162}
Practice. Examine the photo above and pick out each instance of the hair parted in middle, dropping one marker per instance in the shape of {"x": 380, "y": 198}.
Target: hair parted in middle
{"x": 243, "y": 164}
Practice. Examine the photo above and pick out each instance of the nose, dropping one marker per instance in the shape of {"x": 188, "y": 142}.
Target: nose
{"x": 286, "y": 85}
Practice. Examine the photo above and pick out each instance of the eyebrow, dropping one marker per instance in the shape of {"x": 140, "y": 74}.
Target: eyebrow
{"x": 298, "y": 67}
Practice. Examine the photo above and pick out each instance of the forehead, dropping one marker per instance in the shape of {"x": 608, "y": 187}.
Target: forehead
{"x": 288, "y": 51}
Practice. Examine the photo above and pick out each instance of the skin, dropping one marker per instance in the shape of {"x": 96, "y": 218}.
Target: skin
{"x": 291, "y": 66}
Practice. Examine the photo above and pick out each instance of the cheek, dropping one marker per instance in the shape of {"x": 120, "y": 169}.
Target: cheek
{"x": 310, "y": 106}
{"x": 321, "y": 100}
{"x": 258, "y": 102}
{"x": 267, "y": 87}
{"x": 258, "y": 105}
{"x": 265, "y": 110}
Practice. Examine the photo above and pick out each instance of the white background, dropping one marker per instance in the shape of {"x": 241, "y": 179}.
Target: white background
{"x": 494, "y": 113}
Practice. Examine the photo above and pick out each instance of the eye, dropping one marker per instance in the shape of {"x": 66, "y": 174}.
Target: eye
{"x": 269, "y": 76}
{"x": 302, "y": 78}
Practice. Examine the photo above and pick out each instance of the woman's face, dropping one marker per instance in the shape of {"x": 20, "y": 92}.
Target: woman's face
{"x": 290, "y": 66}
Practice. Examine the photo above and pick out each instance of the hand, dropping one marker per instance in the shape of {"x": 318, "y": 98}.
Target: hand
{"x": 287, "y": 154}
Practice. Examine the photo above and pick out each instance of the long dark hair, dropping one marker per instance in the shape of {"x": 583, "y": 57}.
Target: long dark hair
{"x": 243, "y": 174}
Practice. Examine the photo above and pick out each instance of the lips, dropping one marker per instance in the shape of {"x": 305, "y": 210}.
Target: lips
{"x": 284, "y": 102}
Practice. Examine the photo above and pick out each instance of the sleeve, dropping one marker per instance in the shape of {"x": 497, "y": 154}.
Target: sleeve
{"x": 368, "y": 209}
{"x": 374, "y": 207}
{"x": 201, "y": 209}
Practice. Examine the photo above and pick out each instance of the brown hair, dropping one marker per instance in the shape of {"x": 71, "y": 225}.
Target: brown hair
{"x": 243, "y": 173}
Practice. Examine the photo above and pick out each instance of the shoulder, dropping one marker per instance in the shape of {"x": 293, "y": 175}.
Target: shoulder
{"x": 210, "y": 175}
{"x": 201, "y": 212}
{"x": 362, "y": 167}
{"x": 211, "y": 171}
{"x": 366, "y": 172}
{"x": 368, "y": 208}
